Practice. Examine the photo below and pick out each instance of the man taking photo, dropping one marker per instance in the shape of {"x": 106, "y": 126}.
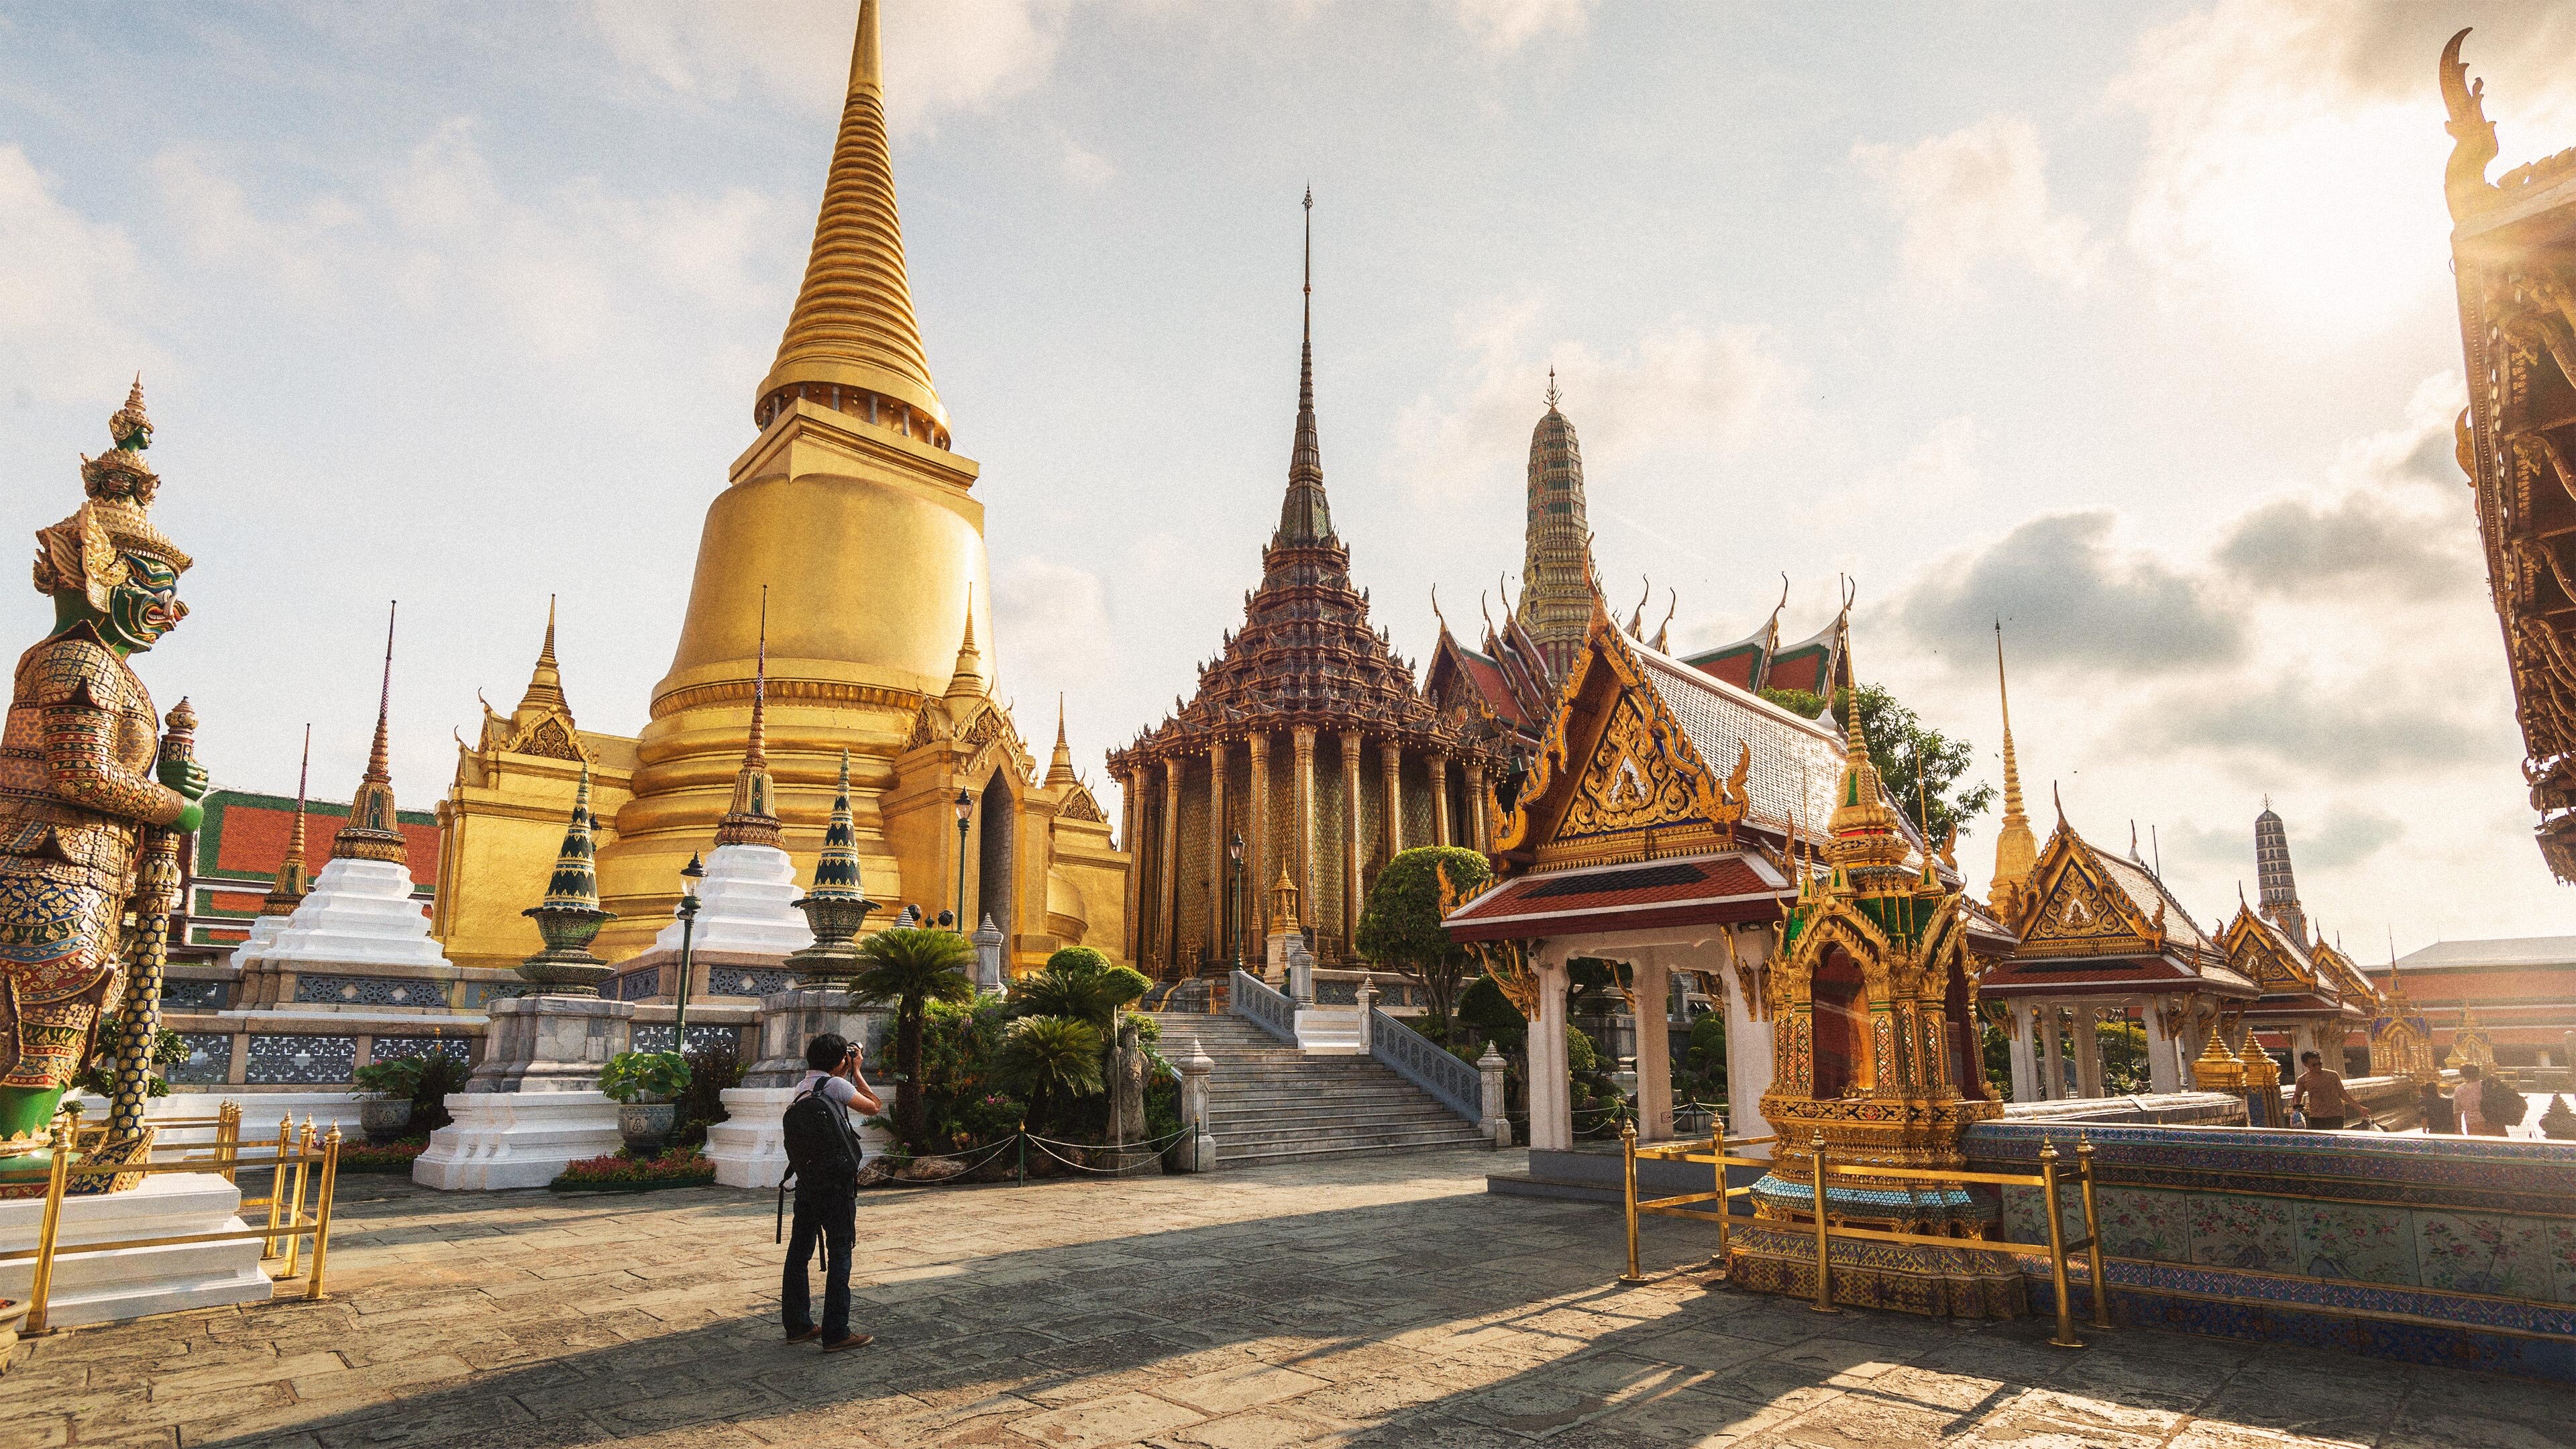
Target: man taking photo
{"x": 823, "y": 1161}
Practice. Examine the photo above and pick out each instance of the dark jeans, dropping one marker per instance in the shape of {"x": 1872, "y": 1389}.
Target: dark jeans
{"x": 831, "y": 1217}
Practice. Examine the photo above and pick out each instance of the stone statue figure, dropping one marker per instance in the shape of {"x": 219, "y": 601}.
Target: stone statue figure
{"x": 1127, "y": 1085}
{"x": 80, "y": 805}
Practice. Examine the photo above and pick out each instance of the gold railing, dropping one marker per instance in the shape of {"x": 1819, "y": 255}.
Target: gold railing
{"x": 296, "y": 1160}
{"x": 1713, "y": 1151}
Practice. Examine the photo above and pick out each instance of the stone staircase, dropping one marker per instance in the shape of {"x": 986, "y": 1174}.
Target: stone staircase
{"x": 1269, "y": 1102}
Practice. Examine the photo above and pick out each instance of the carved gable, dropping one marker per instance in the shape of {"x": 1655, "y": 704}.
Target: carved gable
{"x": 2257, "y": 955}
{"x": 550, "y": 739}
{"x": 1633, "y": 780}
{"x": 2078, "y": 912}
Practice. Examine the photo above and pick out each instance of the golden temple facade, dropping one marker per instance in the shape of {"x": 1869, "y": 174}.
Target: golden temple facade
{"x": 852, "y": 522}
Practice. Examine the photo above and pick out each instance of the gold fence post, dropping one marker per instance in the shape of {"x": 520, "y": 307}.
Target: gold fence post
{"x": 227, "y": 1137}
{"x": 277, "y": 1186}
{"x": 57, "y": 1176}
{"x": 2093, "y": 1232}
{"x": 2065, "y": 1337}
{"x": 1717, "y": 1149}
{"x": 322, "y": 1212}
{"x": 295, "y": 1204}
{"x": 1628, "y": 1174}
{"x": 1824, "y": 1239}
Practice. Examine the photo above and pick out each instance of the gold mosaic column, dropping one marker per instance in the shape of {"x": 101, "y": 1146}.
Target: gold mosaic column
{"x": 1350, "y": 839}
{"x": 1390, "y": 759}
{"x": 1440, "y": 833}
{"x": 1219, "y": 882}
{"x": 1303, "y": 737}
{"x": 1476, "y": 829}
{"x": 1168, "y": 891}
{"x": 1256, "y": 847}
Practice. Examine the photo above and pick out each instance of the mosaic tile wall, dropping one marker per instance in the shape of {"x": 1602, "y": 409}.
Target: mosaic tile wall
{"x": 719, "y": 1041}
{"x": 748, "y": 981}
{"x": 390, "y": 1048}
{"x": 178, "y": 994}
{"x": 304, "y": 1061}
{"x": 368, "y": 991}
{"x": 208, "y": 1062}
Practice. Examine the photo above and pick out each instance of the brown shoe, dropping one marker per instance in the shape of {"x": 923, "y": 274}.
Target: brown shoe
{"x": 802, "y": 1334}
{"x": 855, "y": 1340}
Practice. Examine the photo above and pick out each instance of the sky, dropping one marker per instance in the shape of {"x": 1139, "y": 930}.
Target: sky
{"x": 2130, "y": 326}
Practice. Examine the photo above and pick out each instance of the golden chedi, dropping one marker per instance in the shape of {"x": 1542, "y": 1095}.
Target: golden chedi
{"x": 855, "y": 519}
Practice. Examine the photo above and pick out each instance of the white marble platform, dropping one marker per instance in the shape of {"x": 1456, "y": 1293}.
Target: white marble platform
{"x": 749, "y": 1148}
{"x": 133, "y": 1282}
{"x": 359, "y": 913}
{"x": 503, "y": 1140}
{"x": 746, "y": 904}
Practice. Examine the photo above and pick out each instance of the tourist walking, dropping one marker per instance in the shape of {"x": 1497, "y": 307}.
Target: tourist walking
{"x": 2320, "y": 1095}
{"x": 2487, "y": 1108}
{"x": 823, "y": 1155}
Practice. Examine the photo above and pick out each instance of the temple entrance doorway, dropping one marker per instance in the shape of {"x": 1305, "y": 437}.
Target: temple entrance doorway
{"x": 997, "y": 816}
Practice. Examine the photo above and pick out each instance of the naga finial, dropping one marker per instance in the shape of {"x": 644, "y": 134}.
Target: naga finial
{"x": 2464, "y": 178}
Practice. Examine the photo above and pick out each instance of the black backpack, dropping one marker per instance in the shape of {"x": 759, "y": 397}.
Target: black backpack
{"x": 822, "y": 1152}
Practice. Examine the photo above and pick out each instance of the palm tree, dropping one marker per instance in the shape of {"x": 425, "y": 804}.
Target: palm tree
{"x": 912, "y": 967}
{"x": 1048, "y": 1054}
{"x": 1079, "y": 982}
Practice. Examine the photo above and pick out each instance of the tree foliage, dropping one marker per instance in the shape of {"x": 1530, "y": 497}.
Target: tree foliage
{"x": 1904, "y": 749}
{"x": 1400, "y": 926}
{"x": 1048, "y": 1057}
{"x": 1080, "y": 983}
{"x": 912, "y": 966}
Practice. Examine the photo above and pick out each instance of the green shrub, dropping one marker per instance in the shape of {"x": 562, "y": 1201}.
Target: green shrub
{"x": 100, "y": 1077}
{"x": 678, "y": 1167}
{"x": 644, "y": 1077}
{"x": 702, "y": 1105}
{"x": 396, "y": 1077}
{"x": 1483, "y": 1006}
{"x": 1580, "y": 1054}
{"x": 440, "y": 1076}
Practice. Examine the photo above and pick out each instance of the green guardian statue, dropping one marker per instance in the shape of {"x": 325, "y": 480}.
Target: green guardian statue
{"x": 80, "y": 806}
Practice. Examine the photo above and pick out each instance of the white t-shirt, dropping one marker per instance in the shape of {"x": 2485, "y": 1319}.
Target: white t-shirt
{"x": 839, "y": 1089}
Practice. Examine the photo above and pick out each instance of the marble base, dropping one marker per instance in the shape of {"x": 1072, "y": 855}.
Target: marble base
{"x": 750, "y": 1150}
{"x": 133, "y": 1282}
{"x": 790, "y": 1019}
{"x": 504, "y": 1140}
{"x": 551, "y": 1044}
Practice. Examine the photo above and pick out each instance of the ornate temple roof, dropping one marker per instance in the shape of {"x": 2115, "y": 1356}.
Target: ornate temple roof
{"x": 1817, "y": 664}
{"x": 1306, "y": 654}
{"x": 852, "y": 334}
{"x": 2092, "y": 921}
{"x": 374, "y": 831}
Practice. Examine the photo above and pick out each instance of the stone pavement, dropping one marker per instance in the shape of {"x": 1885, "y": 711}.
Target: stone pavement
{"x": 1384, "y": 1301}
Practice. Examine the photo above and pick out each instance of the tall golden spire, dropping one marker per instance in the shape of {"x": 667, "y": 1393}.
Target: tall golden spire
{"x": 292, "y": 878}
{"x": 852, "y": 343}
{"x": 1306, "y": 516}
{"x": 2016, "y": 851}
{"x": 752, "y": 818}
{"x": 374, "y": 831}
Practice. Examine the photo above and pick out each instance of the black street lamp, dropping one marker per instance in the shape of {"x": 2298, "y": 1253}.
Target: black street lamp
{"x": 690, "y": 875}
{"x": 965, "y": 810}
{"x": 1234, "y": 854}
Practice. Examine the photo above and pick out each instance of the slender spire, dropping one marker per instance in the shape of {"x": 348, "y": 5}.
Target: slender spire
{"x": 966, "y": 681}
{"x": 1305, "y": 517}
{"x": 575, "y": 882}
{"x": 374, "y": 831}
{"x": 292, "y": 878}
{"x": 2278, "y": 886}
{"x": 1060, "y": 769}
{"x": 545, "y": 682}
{"x": 752, "y": 817}
{"x": 836, "y": 870}
{"x": 852, "y": 342}
{"x": 1558, "y": 583}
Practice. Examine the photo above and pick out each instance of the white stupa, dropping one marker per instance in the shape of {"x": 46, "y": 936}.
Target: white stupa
{"x": 360, "y": 911}
{"x": 746, "y": 899}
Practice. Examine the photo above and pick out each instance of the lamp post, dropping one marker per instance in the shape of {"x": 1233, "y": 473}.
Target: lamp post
{"x": 1234, "y": 856}
{"x": 687, "y": 911}
{"x": 965, "y": 810}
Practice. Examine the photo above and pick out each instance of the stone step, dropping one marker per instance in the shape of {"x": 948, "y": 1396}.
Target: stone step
{"x": 1227, "y": 1158}
{"x": 1355, "y": 1115}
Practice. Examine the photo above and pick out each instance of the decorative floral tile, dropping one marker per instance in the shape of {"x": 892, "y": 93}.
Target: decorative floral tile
{"x": 2483, "y": 1253}
{"x": 2562, "y": 1259}
{"x": 2242, "y": 1232}
{"x": 2023, "y": 1222}
{"x": 2140, "y": 1224}
{"x": 2363, "y": 1242}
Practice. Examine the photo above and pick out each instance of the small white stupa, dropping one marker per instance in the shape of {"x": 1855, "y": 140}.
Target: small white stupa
{"x": 746, "y": 902}
{"x": 360, "y": 911}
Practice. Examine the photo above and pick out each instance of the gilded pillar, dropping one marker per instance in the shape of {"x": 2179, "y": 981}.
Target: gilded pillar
{"x": 1440, "y": 832}
{"x": 1390, "y": 759}
{"x": 1350, "y": 840}
{"x": 1220, "y": 880}
{"x": 1478, "y": 832}
{"x": 1129, "y": 813}
{"x": 1303, "y": 738}
{"x": 1256, "y": 847}
{"x": 1167, "y": 892}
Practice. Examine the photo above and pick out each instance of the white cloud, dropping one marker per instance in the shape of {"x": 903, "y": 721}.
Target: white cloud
{"x": 1052, "y": 634}
{"x": 954, "y": 56}
{"x": 2295, "y": 147}
{"x": 72, "y": 297}
{"x": 1087, "y": 169}
{"x": 1977, "y": 194}
{"x": 1680, "y": 388}
{"x": 1507, "y": 25}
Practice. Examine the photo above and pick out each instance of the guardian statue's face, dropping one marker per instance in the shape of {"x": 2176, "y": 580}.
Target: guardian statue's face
{"x": 144, "y": 607}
